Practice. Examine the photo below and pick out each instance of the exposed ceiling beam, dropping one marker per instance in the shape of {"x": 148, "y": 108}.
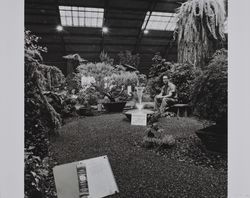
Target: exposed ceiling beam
{"x": 115, "y": 36}
{"x": 52, "y": 23}
{"x": 110, "y": 44}
{"x": 151, "y": 6}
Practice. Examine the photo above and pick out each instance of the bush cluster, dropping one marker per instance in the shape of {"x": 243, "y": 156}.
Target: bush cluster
{"x": 209, "y": 96}
{"x": 181, "y": 74}
{"x": 41, "y": 120}
{"x": 155, "y": 137}
{"x": 205, "y": 89}
{"x": 108, "y": 81}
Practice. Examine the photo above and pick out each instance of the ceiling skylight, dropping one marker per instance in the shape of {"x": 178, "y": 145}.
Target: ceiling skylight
{"x": 159, "y": 21}
{"x": 81, "y": 16}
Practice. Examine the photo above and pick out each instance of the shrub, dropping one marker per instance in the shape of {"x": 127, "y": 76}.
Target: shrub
{"x": 104, "y": 57}
{"x": 209, "y": 95}
{"x": 88, "y": 96}
{"x": 167, "y": 141}
{"x": 156, "y": 138}
{"x": 40, "y": 120}
{"x": 181, "y": 74}
{"x": 108, "y": 80}
{"x": 126, "y": 57}
{"x": 159, "y": 66}
{"x": 73, "y": 82}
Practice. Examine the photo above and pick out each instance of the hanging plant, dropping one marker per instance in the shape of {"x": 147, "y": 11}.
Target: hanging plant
{"x": 200, "y": 25}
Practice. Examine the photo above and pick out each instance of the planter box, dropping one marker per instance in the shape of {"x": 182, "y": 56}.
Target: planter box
{"x": 214, "y": 138}
{"x": 114, "y": 106}
{"x": 83, "y": 111}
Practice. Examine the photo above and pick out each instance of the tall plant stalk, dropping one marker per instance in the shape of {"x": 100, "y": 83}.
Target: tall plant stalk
{"x": 200, "y": 24}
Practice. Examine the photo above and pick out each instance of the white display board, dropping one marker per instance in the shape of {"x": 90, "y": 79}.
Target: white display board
{"x": 139, "y": 119}
{"x": 101, "y": 181}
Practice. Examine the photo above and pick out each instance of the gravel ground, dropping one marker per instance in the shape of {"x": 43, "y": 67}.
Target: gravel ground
{"x": 139, "y": 172}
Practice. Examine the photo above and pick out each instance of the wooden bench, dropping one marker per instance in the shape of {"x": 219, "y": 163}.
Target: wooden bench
{"x": 182, "y": 109}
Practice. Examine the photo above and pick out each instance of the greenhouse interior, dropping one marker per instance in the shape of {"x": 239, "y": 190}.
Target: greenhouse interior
{"x": 126, "y": 98}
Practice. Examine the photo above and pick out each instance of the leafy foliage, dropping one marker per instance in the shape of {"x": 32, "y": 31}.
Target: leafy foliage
{"x": 73, "y": 82}
{"x": 88, "y": 96}
{"x": 159, "y": 66}
{"x": 104, "y": 57}
{"x": 199, "y": 24}
{"x": 41, "y": 119}
{"x": 156, "y": 137}
{"x": 62, "y": 102}
{"x": 108, "y": 80}
{"x": 210, "y": 89}
{"x": 181, "y": 74}
{"x": 126, "y": 57}
{"x": 52, "y": 78}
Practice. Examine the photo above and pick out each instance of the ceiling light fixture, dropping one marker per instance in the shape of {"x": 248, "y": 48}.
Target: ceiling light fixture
{"x": 105, "y": 30}
{"x": 59, "y": 28}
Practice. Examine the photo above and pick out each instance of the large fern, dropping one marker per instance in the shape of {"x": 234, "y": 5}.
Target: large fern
{"x": 200, "y": 23}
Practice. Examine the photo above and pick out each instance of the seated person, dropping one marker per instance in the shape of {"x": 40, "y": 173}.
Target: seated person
{"x": 167, "y": 97}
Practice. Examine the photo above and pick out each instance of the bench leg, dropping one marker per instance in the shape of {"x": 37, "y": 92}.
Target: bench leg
{"x": 178, "y": 112}
{"x": 185, "y": 113}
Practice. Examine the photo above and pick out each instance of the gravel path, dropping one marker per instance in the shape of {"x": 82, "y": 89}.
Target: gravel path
{"x": 139, "y": 173}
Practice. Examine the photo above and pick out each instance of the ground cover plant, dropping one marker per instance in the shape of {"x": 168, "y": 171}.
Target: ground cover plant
{"x": 41, "y": 120}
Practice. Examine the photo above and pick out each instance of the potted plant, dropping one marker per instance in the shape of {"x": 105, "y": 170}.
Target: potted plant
{"x": 209, "y": 99}
{"x": 111, "y": 83}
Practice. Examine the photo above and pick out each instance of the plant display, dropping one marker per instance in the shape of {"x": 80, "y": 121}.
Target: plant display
{"x": 156, "y": 138}
{"x": 126, "y": 57}
{"x": 104, "y": 57}
{"x": 54, "y": 78}
{"x": 41, "y": 119}
{"x": 200, "y": 23}
{"x": 181, "y": 74}
{"x": 63, "y": 103}
{"x": 73, "y": 82}
{"x": 88, "y": 96}
{"x": 109, "y": 81}
{"x": 159, "y": 66}
{"x": 210, "y": 89}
